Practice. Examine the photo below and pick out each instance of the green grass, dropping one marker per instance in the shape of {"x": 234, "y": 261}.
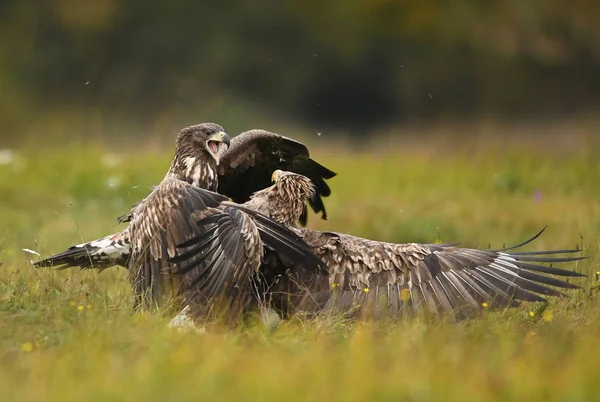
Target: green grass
{"x": 70, "y": 335}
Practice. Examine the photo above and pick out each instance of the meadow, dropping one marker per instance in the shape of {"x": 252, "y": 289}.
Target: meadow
{"x": 71, "y": 335}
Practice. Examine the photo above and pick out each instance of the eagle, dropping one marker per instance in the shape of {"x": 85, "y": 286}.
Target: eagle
{"x": 244, "y": 166}
{"x": 247, "y": 163}
{"x": 376, "y": 278}
{"x": 204, "y": 155}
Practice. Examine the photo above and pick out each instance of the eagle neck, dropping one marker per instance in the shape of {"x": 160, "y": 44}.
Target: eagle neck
{"x": 286, "y": 208}
{"x": 196, "y": 168}
{"x": 288, "y": 200}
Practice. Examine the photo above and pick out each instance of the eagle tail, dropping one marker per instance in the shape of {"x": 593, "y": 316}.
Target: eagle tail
{"x": 99, "y": 254}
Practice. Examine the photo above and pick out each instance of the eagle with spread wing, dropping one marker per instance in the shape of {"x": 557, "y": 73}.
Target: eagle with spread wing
{"x": 244, "y": 166}
{"x": 167, "y": 216}
{"x": 370, "y": 277}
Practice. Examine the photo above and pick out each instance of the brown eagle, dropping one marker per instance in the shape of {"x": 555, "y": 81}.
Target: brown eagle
{"x": 370, "y": 277}
{"x": 246, "y": 165}
{"x": 204, "y": 155}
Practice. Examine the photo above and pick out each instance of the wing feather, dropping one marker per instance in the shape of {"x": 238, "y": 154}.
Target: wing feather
{"x": 163, "y": 220}
{"x": 234, "y": 240}
{"x": 440, "y": 279}
{"x": 97, "y": 254}
{"x": 447, "y": 279}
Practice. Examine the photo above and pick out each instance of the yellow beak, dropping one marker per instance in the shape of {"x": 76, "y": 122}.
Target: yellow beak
{"x": 276, "y": 175}
{"x": 221, "y": 136}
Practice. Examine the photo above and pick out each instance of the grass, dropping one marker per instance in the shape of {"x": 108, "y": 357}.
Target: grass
{"x": 70, "y": 335}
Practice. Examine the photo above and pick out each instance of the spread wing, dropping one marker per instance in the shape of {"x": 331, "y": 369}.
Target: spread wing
{"x": 235, "y": 236}
{"x": 436, "y": 278}
{"x": 229, "y": 252}
{"x": 247, "y": 165}
{"x": 167, "y": 217}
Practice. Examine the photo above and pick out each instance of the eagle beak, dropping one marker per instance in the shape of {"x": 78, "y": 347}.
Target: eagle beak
{"x": 276, "y": 175}
{"x": 221, "y": 136}
{"x": 212, "y": 144}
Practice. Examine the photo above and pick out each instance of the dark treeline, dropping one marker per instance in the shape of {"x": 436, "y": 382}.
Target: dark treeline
{"x": 350, "y": 63}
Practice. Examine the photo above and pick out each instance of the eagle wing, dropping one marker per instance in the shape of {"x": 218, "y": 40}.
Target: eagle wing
{"x": 225, "y": 258}
{"x": 437, "y": 278}
{"x": 222, "y": 253}
{"x": 246, "y": 166}
{"x": 236, "y": 237}
{"x": 127, "y": 217}
{"x": 164, "y": 219}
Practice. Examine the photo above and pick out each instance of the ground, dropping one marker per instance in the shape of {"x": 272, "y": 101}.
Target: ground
{"x": 70, "y": 335}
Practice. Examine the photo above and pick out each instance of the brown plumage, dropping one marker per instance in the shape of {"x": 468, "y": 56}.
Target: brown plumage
{"x": 244, "y": 166}
{"x": 281, "y": 281}
{"x": 197, "y": 153}
{"x": 163, "y": 219}
{"x": 239, "y": 254}
{"x": 370, "y": 277}
{"x": 168, "y": 217}
{"x": 285, "y": 201}
{"x": 247, "y": 164}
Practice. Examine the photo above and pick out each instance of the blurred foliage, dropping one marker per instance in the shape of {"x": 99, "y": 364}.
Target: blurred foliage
{"x": 345, "y": 64}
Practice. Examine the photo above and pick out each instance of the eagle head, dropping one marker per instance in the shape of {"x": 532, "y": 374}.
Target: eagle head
{"x": 294, "y": 186}
{"x": 206, "y": 137}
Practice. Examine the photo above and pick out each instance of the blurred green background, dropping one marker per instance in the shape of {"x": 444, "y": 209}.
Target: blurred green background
{"x": 476, "y": 125}
{"x": 115, "y": 67}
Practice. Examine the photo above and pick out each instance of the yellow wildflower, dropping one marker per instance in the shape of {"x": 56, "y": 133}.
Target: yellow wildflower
{"x": 531, "y": 313}
{"x": 79, "y": 308}
{"x": 366, "y": 290}
{"x": 484, "y": 304}
{"x": 27, "y": 347}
